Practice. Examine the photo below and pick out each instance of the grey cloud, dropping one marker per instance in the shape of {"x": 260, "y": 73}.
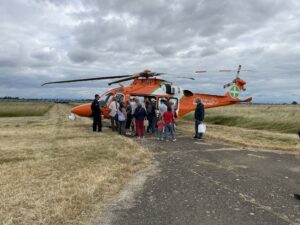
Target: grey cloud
{"x": 82, "y": 55}
{"x": 97, "y": 37}
{"x": 44, "y": 55}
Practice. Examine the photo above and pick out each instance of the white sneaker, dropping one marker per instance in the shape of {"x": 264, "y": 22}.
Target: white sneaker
{"x": 174, "y": 140}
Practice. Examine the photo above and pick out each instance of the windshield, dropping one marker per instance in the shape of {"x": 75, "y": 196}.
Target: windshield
{"x": 105, "y": 97}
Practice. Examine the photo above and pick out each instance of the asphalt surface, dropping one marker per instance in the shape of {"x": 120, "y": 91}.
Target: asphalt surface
{"x": 211, "y": 183}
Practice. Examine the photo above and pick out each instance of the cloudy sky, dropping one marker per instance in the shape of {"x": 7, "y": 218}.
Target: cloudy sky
{"x": 67, "y": 39}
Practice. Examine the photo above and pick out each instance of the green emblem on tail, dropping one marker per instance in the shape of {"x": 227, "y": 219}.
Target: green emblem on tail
{"x": 234, "y": 91}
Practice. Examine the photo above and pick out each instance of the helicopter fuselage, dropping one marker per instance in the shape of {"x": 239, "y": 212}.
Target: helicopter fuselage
{"x": 146, "y": 88}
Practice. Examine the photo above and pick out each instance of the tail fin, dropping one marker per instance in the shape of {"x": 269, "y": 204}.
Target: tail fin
{"x": 235, "y": 88}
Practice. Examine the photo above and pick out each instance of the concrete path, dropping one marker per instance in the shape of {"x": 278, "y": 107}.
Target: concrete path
{"x": 210, "y": 183}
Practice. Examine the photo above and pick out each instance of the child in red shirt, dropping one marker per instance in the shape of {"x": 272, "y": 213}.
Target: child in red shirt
{"x": 160, "y": 128}
{"x": 169, "y": 128}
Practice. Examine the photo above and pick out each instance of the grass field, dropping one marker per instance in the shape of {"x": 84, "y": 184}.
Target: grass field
{"x": 281, "y": 118}
{"x": 19, "y": 109}
{"x": 56, "y": 171}
{"x": 261, "y": 126}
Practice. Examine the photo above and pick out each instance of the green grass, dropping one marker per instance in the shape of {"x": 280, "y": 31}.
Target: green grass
{"x": 19, "y": 109}
{"x": 280, "y": 118}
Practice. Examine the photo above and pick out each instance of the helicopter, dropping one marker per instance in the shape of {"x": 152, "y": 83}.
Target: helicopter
{"x": 147, "y": 85}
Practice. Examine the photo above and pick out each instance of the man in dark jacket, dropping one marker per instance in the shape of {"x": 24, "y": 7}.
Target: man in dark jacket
{"x": 96, "y": 113}
{"x": 199, "y": 117}
{"x": 151, "y": 114}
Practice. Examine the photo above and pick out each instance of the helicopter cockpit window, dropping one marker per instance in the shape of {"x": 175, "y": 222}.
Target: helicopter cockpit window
{"x": 104, "y": 99}
{"x": 119, "y": 97}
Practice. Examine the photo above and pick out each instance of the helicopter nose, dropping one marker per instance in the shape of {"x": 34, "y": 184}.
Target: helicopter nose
{"x": 82, "y": 110}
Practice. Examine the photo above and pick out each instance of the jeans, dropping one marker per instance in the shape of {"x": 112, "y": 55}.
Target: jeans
{"x": 121, "y": 127}
{"x": 169, "y": 129}
{"x": 152, "y": 124}
{"x": 197, "y": 134}
{"x": 159, "y": 133}
{"x": 114, "y": 124}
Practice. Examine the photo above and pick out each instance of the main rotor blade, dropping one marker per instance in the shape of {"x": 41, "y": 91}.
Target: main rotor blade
{"x": 125, "y": 79}
{"x": 236, "y": 70}
{"x": 86, "y": 79}
{"x": 158, "y": 74}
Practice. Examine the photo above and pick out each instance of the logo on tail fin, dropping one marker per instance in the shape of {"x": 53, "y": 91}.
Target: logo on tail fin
{"x": 234, "y": 91}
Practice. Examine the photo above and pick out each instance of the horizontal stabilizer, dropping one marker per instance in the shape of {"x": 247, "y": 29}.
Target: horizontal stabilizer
{"x": 245, "y": 100}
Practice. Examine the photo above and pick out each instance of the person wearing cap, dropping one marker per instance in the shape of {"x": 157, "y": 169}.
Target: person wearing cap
{"x": 162, "y": 107}
{"x": 96, "y": 113}
{"x": 152, "y": 116}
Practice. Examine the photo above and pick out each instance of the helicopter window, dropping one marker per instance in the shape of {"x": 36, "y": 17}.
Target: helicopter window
{"x": 187, "y": 93}
{"x": 119, "y": 97}
{"x": 104, "y": 99}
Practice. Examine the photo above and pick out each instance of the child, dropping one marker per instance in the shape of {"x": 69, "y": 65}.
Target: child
{"x": 169, "y": 120}
{"x": 160, "y": 128}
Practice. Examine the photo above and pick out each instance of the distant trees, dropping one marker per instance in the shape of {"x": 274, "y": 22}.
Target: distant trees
{"x": 10, "y": 97}
{"x": 294, "y": 103}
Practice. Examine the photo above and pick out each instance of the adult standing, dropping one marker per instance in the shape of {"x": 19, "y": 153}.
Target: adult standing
{"x": 96, "y": 113}
{"x": 162, "y": 107}
{"x": 152, "y": 116}
{"x": 139, "y": 115}
{"x": 129, "y": 117}
{"x": 199, "y": 117}
{"x": 134, "y": 103}
{"x": 122, "y": 115}
{"x": 112, "y": 113}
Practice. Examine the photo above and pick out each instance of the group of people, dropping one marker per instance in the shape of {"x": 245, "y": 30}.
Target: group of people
{"x": 135, "y": 117}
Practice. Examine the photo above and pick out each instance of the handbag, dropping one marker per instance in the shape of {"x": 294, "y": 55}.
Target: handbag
{"x": 121, "y": 116}
{"x": 201, "y": 128}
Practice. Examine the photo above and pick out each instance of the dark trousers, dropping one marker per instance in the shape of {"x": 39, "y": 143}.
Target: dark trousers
{"x": 197, "y": 134}
{"x": 114, "y": 124}
{"x": 121, "y": 127}
{"x": 152, "y": 124}
{"x": 97, "y": 123}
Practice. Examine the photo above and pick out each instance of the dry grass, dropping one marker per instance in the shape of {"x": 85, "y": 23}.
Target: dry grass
{"x": 263, "y": 136}
{"x": 259, "y": 126}
{"x": 55, "y": 171}
{"x": 281, "y": 118}
{"x": 18, "y": 109}
{"x": 247, "y": 137}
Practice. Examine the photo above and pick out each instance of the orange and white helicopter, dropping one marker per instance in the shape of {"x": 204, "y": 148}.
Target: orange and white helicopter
{"x": 146, "y": 85}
